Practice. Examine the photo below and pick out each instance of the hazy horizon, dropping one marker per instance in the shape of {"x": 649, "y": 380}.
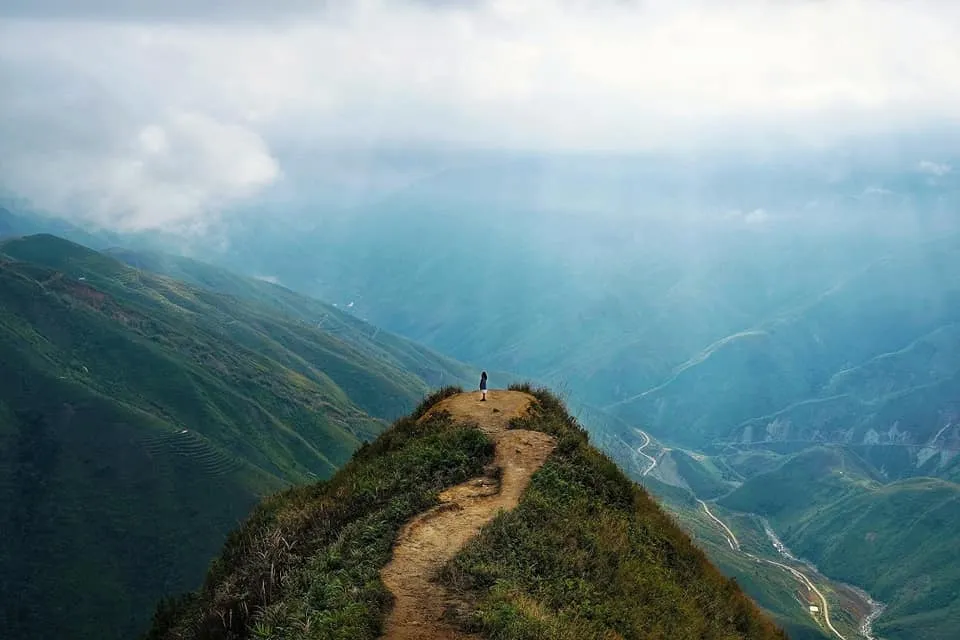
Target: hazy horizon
{"x": 133, "y": 117}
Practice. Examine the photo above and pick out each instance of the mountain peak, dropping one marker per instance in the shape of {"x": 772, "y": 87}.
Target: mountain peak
{"x": 400, "y": 543}
{"x": 58, "y": 253}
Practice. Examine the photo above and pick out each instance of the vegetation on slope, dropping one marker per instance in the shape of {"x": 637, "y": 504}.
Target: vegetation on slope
{"x": 899, "y": 541}
{"x": 370, "y": 372}
{"x": 801, "y": 485}
{"x": 434, "y": 369}
{"x": 102, "y": 507}
{"x": 896, "y": 540}
{"x": 701, "y": 474}
{"x": 141, "y": 418}
{"x": 306, "y": 564}
{"x": 774, "y": 591}
{"x": 586, "y": 553}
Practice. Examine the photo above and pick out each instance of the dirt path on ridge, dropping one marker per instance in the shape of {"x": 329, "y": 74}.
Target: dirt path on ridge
{"x": 430, "y": 539}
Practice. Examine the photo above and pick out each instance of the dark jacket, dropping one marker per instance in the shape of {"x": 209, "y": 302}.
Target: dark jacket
{"x": 483, "y": 382}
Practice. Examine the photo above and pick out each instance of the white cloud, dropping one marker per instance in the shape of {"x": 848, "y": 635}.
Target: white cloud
{"x": 153, "y": 140}
{"x": 753, "y": 217}
{"x": 876, "y": 191}
{"x": 756, "y": 217}
{"x": 173, "y": 175}
{"x": 937, "y": 169}
{"x": 270, "y": 279}
{"x": 146, "y": 123}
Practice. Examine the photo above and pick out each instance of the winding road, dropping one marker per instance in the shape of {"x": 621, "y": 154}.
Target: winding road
{"x": 731, "y": 539}
{"x": 735, "y": 545}
{"x": 728, "y": 534}
{"x": 653, "y": 461}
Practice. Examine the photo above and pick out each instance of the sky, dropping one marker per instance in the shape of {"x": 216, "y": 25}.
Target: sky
{"x": 138, "y": 115}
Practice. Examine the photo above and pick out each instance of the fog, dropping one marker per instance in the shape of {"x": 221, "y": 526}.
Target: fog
{"x": 131, "y": 117}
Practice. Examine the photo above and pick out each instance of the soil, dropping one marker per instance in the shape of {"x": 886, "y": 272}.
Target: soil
{"x": 432, "y": 538}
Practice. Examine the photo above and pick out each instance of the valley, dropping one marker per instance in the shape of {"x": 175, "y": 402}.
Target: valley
{"x": 788, "y": 372}
{"x": 742, "y": 521}
{"x": 805, "y": 574}
{"x": 254, "y": 257}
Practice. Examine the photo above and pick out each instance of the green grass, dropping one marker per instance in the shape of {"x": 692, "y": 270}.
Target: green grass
{"x": 586, "y": 554}
{"x": 895, "y": 540}
{"x": 589, "y": 554}
{"x": 141, "y": 418}
{"x": 702, "y": 475}
{"x": 306, "y": 563}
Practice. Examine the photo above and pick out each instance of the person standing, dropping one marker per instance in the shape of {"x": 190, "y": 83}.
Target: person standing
{"x": 483, "y": 386}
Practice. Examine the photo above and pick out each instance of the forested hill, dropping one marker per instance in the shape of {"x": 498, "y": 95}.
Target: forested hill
{"x": 142, "y": 417}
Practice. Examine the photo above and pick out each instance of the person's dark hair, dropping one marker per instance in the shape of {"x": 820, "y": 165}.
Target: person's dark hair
{"x": 483, "y": 374}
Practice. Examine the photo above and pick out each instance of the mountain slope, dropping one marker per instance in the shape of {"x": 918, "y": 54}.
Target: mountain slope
{"x": 802, "y": 355}
{"x": 141, "y": 418}
{"x": 18, "y": 223}
{"x": 433, "y": 368}
{"x": 585, "y": 554}
{"x": 896, "y": 540}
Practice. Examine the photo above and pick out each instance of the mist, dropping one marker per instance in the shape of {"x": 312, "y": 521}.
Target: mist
{"x": 127, "y": 117}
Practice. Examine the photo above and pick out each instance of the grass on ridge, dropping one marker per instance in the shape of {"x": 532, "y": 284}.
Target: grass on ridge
{"x": 307, "y": 562}
{"x": 588, "y": 554}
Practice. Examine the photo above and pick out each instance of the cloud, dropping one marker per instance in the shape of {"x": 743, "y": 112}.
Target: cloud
{"x": 936, "y": 169}
{"x": 270, "y": 279}
{"x": 141, "y": 116}
{"x": 756, "y": 217}
{"x": 234, "y": 10}
{"x": 171, "y": 174}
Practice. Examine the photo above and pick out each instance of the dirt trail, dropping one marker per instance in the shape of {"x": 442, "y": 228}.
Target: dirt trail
{"x": 433, "y": 537}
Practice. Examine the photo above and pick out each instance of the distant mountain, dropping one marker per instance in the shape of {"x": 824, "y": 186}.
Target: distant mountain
{"x": 18, "y": 223}
{"x": 868, "y": 361}
{"x": 142, "y": 417}
{"x": 600, "y": 276}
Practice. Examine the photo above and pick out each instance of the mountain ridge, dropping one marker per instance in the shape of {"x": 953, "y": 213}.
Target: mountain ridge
{"x": 625, "y": 570}
{"x": 141, "y": 417}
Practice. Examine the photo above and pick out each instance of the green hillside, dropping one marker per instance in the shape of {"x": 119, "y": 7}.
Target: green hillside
{"x": 587, "y": 553}
{"x": 701, "y": 474}
{"x": 775, "y": 591}
{"x": 802, "y": 484}
{"x": 896, "y": 540}
{"x": 900, "y": 542}
{"x": 142, "y": 417}
{"x": 434, "y": 368}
